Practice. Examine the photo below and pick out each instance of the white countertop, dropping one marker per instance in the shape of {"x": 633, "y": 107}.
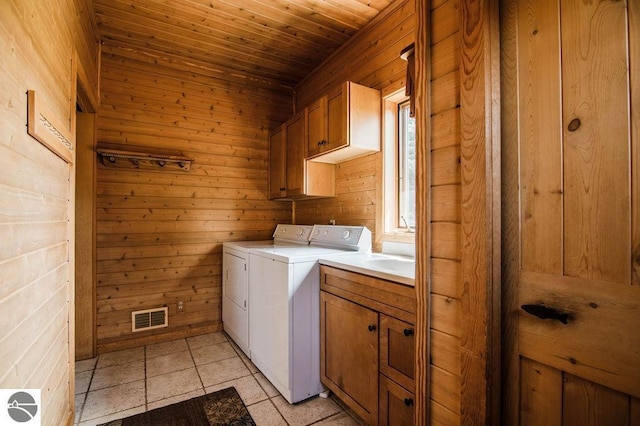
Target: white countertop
{"x": 399, "y": 269}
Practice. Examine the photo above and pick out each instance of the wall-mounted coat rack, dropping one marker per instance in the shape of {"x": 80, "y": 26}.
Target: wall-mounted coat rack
{"x": 143, "y": 160}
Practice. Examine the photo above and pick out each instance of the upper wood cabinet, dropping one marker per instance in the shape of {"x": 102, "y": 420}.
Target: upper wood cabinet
{"x": 294, "y": 132}
{"x": 344, "y": 124}
{"x": 277, "y": 165}
{"x": 291, "y": 176}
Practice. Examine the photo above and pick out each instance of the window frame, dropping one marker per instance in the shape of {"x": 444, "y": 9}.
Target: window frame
{"x": 388, "y": 215}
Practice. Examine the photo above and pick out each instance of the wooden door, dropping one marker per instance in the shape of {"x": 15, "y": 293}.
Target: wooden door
{"x": 578, "y": 303}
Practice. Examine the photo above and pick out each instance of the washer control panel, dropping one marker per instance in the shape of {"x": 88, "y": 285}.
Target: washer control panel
{"x": 337, "y": 236}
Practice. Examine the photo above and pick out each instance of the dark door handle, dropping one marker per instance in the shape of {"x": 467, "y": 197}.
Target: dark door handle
{"x": 408, "y": 402}
{"x": 545, "y": 312}
{"x": 371, "y": 327}
{"x": 408, "y": 332}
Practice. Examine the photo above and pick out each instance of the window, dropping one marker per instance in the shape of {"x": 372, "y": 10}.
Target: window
{"x": 406, "y": 167}
{"x": 397, "y": 217}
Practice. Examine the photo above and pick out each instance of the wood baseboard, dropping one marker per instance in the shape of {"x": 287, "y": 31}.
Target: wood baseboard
{"x": 116, "y": 345}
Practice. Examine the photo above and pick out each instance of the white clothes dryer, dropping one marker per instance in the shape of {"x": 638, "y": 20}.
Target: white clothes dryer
{"x": 235, "y": 278}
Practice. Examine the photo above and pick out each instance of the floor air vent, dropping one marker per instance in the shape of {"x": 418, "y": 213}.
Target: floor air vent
{"x": 149, "y": 319}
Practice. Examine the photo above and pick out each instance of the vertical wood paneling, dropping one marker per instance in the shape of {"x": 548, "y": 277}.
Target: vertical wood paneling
{"x": 511, "y": 246}
{"x": 39, "y": 42}
{"x": 540, "y": 135}
{"x": 85, "y": 191}
{"x": 540, "y": 394}
{"x": 588, "y": 404}
{"x": 596, "y": 140}
{"x": 480, "y": 149}
{"x": 160, "y": 232}
{"x": 634, "y": 57}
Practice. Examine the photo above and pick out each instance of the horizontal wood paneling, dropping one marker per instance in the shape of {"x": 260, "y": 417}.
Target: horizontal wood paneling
{"x": 159, "y": 234}
{"x": 39, "y": 43}
{"x": 445, "y": 199}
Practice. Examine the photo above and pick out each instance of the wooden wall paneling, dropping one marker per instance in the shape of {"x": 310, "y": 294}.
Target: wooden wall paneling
{"x": 634, "y": 56}
{"x": 160, "y": 233}
{"x": 446, "y": 277}
{"x": 596, "y": 142}
{"x": 445, "y": 166}
{"x": 43, "y": 47}
{"x": 446, "y": 92}
{"x": 445, "y": 314}
{"x": 85, "y": 190}
{"x": 447, "y": 52}
{"x": 445, "y": 203}
{"x": 445, "y": 20}
{"x": 509, "y": 112}
{"x": 445, "y": 353}
{"x": 441, "y": 415}
{"x": 540, "y": 391}
{"x": 445, "y": 240}
{"x": 445, "y": 389}
{"x": 445, "y": 129}
{"x": 480, "y": 139}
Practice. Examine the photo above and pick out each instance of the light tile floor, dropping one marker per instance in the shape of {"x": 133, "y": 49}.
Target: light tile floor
{"x": 123, "y": 383}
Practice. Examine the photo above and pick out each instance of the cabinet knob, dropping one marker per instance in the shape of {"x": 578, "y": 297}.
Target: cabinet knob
{"x": 408, "y": 332}
{"x": 372, "y": 327}
{"x": 408, "y": 402}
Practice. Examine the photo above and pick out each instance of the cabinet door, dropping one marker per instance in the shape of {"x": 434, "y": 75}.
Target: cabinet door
{"x": 397, "y": 351}
{"x": 295, "y": 146}
{"x": 397, "y": 405}
{"x": 316, "y": 126}
{"x": 337, "y": 118}
{"x": 277, "y": 165}
{"x": 349, "y": 354}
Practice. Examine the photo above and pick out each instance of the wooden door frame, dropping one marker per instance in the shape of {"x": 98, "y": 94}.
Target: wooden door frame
{"x": 481, "y": 212}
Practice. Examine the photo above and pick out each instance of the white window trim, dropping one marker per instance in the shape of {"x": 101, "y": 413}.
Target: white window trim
{"x": 387, "y": 214}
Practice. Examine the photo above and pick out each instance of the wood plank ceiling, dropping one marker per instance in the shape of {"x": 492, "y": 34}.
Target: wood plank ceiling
{"x": 275, "y": 41}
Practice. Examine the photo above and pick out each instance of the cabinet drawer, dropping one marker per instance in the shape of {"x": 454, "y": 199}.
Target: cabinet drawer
{"x": 396, "y": 405}
{"x": 397, "y": 351}
{"x": 384, "y": 296}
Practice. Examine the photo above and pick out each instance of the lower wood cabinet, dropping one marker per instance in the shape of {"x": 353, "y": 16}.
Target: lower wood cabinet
{"x": 350, "y": 353}
{"x": 367, "y": 345}
{"x": 396, "y": 404}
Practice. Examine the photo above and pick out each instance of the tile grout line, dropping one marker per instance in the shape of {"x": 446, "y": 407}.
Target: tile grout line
{"x": 196, "y": 366}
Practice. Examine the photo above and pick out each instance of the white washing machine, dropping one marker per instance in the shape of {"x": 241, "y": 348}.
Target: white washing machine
{"x": 284, "y": 319}
{"x": 235, "y": 279}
